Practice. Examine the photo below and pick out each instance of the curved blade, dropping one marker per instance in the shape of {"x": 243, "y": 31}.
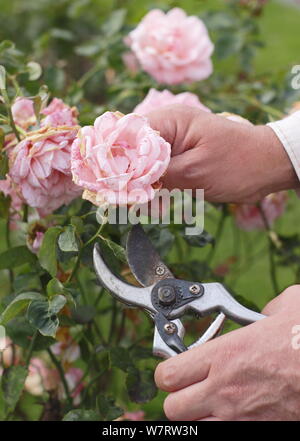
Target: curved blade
{"x": 143, "y": 260}
{"x": 128, "y": 294}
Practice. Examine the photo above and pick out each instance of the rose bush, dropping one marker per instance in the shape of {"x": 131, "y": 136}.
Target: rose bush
{"x": 71, "y": 351}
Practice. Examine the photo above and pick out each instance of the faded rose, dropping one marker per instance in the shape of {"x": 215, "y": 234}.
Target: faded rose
{"x": 23, "y": 113}
{"x": 40, "y": 377}
{"x": 119, "y": 160}
{"x": 155, "y": 99}
{"x": 40, "y": 166}
{"x": 249, "y": 217}
{"x": 172, "y": 47}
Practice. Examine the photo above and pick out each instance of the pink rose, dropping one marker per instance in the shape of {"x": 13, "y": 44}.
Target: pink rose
{"x": 131, "y": 62}
{"x": 138, "y": 415}
{"x": 248, "y": 217}
{"x": 172, "y": 47}
{"x": 41, "y": 168}
{"x": 156, "y": 99}
{"x": 10, "y": 354}
{"x": 23, "y": 112}
{"x": 119, "y": 160}
{"x": 40, "y": 377}
{"x": 68, "y": 350}
{"x": 59, "y": 114}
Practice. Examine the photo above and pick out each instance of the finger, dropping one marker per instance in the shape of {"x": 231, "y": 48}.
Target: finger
{"x": 187, "y": 368}
{"x": 283, "y": 300}
{"x": 189, "y": 404}
{"x": 183, "y": 171}
{"x": 210, "y": 419}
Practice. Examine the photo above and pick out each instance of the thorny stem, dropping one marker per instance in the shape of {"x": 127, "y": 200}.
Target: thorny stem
{"x": 59, "y": 367}
{"x": 90, "y": 241}
{"x": 31, "y": 348}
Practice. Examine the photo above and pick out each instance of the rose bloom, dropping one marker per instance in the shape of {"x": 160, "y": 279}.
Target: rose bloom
{"x": 41, "y": 168}
{"x": 172, "y": 47}
{"x": 10, "y": 354}
{"x": 155, "y": 99}
{"x": 40, "y": 377}
{"x": 119, "y": 160}
{"x": 23, "y": 113}
{"x": 131, "y": 62}
{"x": 248, "y": 217}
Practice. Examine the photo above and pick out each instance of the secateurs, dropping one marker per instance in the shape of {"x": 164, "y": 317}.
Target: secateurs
{"x": 166, "y": 298}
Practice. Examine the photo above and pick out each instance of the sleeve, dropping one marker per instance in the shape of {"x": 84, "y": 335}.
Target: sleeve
{"x": 288, "y": 131}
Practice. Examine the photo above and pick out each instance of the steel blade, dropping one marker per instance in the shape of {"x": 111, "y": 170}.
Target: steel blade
{"x": 143, "y": 260}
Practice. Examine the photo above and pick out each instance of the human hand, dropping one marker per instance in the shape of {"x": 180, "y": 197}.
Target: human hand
{"x": 248, "y": 374}
{"x": 232, "y": 162}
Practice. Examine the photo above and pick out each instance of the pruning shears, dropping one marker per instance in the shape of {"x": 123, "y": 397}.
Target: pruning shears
{"x": 166, "y": 298}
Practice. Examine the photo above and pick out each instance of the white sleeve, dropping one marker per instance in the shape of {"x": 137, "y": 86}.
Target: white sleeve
{"x": 288, "y": 131}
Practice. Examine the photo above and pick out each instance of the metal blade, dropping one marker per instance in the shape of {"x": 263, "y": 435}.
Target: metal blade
{"x": 143, "y": 260}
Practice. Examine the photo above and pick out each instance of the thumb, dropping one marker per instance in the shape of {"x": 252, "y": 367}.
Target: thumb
{"x": 179, "y": 125}
{"x": 289, "y": 296}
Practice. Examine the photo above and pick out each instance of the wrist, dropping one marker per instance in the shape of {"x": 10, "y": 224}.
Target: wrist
{"x": 279, "y": 173}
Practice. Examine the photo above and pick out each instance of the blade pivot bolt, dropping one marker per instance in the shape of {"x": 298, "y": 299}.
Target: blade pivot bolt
{"x": 159, "y": 270}
{"x": 170, "y": 328}
{"x": 194, "y": 289}
{"x": 166, "y": 295}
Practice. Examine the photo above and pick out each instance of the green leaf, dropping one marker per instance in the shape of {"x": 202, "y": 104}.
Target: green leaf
{"x": 67, "y": 240}
{"x": 6, "y": 44}
{"x": 199, "y": 241}
{"x": 16, "y": 256}
{"x": 55, "y": 287}
{"x": 140, "y": 385}
{"x": 34, "y": 69}
{"x": 82, "y": 415}
{"x": 83, "y": 314}
{"x": 18, "y": 305}
{"x": 4, "y": 206}
{"x": 47, "y": 252}
{"x": 107, "y": 408}
{"x": 13, "y": 381}
{"x": 2, "y": 137}
{"x": 77, "y": 223}
{"x": 43, "y": 314}
{"x": 21, "y": 333}
{"x": 2, "y": 78}
{"x": 118, "y": 251}
{"x": 114, "y": 22}
{"x": 3, "y": 165}
{"x": 120, "y": 358}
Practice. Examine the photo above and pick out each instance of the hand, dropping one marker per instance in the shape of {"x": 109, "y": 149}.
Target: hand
{"x": 233, "y": 162}
{"x": 248, "y": 374}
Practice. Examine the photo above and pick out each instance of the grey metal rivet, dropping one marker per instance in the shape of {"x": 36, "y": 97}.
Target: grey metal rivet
{"x": 160, "y": 270}
{"x": 166, "y": 295}
{"x": 194, "y": 289}
{"x": 170, "y": 328}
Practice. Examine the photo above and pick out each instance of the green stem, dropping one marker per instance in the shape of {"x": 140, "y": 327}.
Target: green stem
{"x": 25, "y": 213}
{"x": 31, "y": 348}
{"x": 9, "y": 112}
{"x": 58, "y": 366}
{"x": 89, "y": 242}
{"x": 113, "y": 319}
{"x": 273, "y": 273}
{"x": 218, "y": 234}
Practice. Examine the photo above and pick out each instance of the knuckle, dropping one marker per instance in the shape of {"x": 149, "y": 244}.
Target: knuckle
{"x": 165, "y": 376}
